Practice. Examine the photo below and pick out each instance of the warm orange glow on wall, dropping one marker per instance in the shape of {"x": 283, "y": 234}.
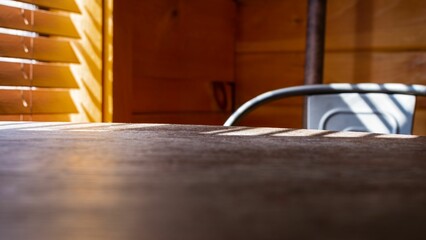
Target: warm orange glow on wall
{"x": 108, "y": 61}
{"x": 89, "y": 50}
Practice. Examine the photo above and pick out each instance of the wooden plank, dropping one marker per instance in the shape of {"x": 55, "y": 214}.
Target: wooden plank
{"x": 271, "y": 25}
{"x": 376, "y": 24}
{"x": 185, "y": 39}
{"x": 203, "y": 118}
{"x": 279, "y": 25}
{"x": 65, "y": 5}
{"x": 37, "y": 75}
{"x": 172, "y": 95}
{"x": 186, "y": 44}
{"x": 285, "y": 69}
{"x": 379, "y": 67}
{"x": 38, "y": 48}
{"x": 123, "y": 29}
{"x": 419, "y": 127}
{"x": 40, "y": 21}
{"x": 107, "y": 68}
{"x": 36, "y": 102}
{"x": 259, "y": 73}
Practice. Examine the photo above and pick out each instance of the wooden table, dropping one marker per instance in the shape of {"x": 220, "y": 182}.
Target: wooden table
{"x": 122, "y": 181}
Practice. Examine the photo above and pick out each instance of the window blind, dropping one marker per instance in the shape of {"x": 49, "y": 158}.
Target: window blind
{"x": 50, "y": 60}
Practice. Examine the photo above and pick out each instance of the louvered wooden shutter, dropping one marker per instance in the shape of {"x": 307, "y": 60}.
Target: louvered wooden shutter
{"x": 51, "y": 60}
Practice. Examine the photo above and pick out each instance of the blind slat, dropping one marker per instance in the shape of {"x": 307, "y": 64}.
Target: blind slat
{"x": 38, "y": 48}
{"x": 65, "y": 5}
{"x": 39, "y": 21}
{"x": 43, "y": 102}
{"x": 37, "y": 75}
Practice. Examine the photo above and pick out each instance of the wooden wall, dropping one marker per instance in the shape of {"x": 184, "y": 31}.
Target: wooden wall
{"x": 173, "y": 60}
{"x": 366, "y": 41}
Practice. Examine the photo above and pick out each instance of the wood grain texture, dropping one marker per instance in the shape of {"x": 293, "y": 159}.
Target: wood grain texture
{"x": 279, "y": 25}
{"x": 261, "y": 72}
{"x": 103, "y": 181}
{"x": 377, "y": 24}
{"x": 169, "y": 52}
{"x": 419, "y": 127}
{"x": 378, "y": 67}
{"x": 174, "y": 95}
{"x": 184, "y": 39}
{"x": 123, "y": 29}
{"x": 270, "y": 25}
{"x": 258, "y": 73}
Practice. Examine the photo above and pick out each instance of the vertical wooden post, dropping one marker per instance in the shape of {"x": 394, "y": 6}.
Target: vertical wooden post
{"x": 315, "y": 39}
{"x": 123, "y": 61}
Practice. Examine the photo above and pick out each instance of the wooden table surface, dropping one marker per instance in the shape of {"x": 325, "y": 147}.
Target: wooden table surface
{"x": 122, "y": 181}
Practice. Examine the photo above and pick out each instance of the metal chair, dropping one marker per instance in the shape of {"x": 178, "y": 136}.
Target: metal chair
{"x": 366, "y": 107}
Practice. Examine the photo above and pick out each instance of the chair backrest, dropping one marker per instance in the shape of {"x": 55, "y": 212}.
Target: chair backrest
{"x": 380, "y": 108}
{"x": 361, "y": 112}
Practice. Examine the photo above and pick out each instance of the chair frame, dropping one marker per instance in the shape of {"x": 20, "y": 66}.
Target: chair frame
{"x": 317, "y": 89}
